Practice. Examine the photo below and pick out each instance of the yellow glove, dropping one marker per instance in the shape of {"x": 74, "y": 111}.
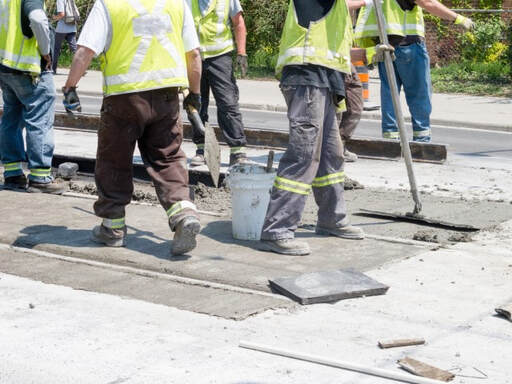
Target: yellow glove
{"x": 466, "y": 22}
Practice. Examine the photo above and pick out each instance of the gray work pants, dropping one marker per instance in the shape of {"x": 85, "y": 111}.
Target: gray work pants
{"x": 354, "y": 100}
{"x": 313, "y": 159}
{"x": 218, "y": 75}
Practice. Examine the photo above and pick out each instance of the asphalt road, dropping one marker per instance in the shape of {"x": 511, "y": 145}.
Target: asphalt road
{"x": 468, "y": 142}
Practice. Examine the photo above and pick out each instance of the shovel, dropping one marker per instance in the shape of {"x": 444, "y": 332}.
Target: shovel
{"x": 211, "y": 144}
{"x": 415, "y": 215}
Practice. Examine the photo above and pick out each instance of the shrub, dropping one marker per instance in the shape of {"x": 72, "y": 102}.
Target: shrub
{"x": 483, "y": 44}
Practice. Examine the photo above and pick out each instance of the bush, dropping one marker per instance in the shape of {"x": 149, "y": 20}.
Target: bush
{"x": 484, "y": 44}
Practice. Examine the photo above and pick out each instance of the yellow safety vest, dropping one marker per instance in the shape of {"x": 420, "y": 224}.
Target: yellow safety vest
{"x": 213, "y": 28}
{"x": 16, "y": 51}
{"x": 398, "y": 22}
{"x": 326, "y": 42}
{"x": 146, "y": 50}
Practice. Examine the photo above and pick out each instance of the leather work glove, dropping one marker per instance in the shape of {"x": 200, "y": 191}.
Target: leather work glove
{"x": 241, "y": 62}
{"x": 466, "y": 22}
{"x": 192, "y": 101}
{"x": 379, "y": 53}
{"x": 71, "y": 101}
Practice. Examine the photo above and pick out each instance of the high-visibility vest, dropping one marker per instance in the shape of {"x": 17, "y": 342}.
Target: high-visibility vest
{"x": 398, "y": 22}
{"x": 325, "y": 42}
{"x": 16, "y": 51}
{"x": 213, "y": 28}
{"x": 146, "y": 50}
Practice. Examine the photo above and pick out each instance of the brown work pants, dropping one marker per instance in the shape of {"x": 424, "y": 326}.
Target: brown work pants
{"x": 152, "y": 120}
{"x": 354, "y": 100}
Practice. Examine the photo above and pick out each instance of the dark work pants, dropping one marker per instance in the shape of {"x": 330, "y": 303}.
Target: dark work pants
{"x": 313, "y": 160}
{"x": 354, "y": 101}
{"x": 152, "y": 120}
{"x": 218, "y": 75}
{"x": 59, "y": 38}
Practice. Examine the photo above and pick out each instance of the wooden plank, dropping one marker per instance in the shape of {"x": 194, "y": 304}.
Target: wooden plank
{"x": 384, "y": 344}
{"x": 419, "y": 368}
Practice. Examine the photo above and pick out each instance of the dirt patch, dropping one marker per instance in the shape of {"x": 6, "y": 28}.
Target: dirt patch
{"x": 351, "y": 184}
{"x": 427, "y": 236}
{"x": 460, "y": 237}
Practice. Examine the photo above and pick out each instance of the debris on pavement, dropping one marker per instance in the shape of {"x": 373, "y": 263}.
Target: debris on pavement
{"x": 460, "y": 237}
{"x": 67, "y": 170}
{"x": 427, "y": 236}
{"x": 31, "y": 306}
{"x": 327, "y": 286}
{"x": 419, "y": 368}
{"x": 505, "y": 311}
{"x": 400, "y": 343}
{"x": 346, "y": 365}
{"x": 351, "y": 184}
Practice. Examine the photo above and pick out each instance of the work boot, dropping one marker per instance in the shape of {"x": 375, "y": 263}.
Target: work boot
{"x": 16, "y": 183}
{"x": 198, "y": 159}
{"x": 185, "y": 235}
{"x": 346, "y": 232}
{"x": 54, "y": 187}
{"x": 238, "y": 158}
{"x": 350, "y": 157}
{"x": 290, "y": 247}
{"x": 109, "y": 236}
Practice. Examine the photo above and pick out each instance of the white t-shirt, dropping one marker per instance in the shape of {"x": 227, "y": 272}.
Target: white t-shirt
{"x": 97, "y": 29}
{"x": 234, "y": 6}
{"x": 62, "y": 27}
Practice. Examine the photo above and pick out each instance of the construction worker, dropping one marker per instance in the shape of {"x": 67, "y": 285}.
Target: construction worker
{"x": 213, "y": 20}
{"x": 313, "y": 59}
{"x": 28, "y": 95}
{"x": 405, "y": 29}
{"x": 148, "y": 50}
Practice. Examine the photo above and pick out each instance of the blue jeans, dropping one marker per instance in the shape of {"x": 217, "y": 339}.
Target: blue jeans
{"x": 31, "y": 106}
{"x": 412, "y": 69}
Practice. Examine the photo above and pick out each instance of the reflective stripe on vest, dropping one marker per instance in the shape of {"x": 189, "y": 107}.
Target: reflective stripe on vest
{"x": 16, "y": 51}
{"x": 147, "y": 49}
{"x": 326, "y": 42}
{"x": 398, "y": 22}
{"x": 213, "y": 28}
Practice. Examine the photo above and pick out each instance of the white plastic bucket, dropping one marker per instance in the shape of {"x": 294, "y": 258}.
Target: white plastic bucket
{"x": 250, "y": 188}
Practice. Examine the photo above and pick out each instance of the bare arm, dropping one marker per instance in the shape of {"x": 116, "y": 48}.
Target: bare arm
{"x": 240, "y": 32}
{"x": 356, "y": 4}
{"x": 437, "y": 9}
{"x": 194, "y": 70}
{"x": 81, "y": 62}
{"x": 58, "y": 16}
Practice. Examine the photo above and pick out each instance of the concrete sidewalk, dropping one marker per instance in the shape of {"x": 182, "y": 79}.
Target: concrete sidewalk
{"x": 448, "y": 109}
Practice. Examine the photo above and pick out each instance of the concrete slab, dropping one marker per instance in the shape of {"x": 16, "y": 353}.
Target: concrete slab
{"x": 62, "y": 225}
{"x": 328, "y": 286}
{"x": 201, "y": 299}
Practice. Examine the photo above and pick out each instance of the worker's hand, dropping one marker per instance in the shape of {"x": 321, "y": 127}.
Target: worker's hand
{"x": 466, "y": 22}
{"x": 241, "y": 62}
{"x": 192, "y": 101}
{"x": 48, "y": 65}
{"x": 71, "y": 101}
{"x": 379, "y": 53}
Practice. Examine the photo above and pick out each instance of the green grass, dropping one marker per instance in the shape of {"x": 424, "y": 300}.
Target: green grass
{"x": 66, "y": 57}
{"x": 483, "y": 79}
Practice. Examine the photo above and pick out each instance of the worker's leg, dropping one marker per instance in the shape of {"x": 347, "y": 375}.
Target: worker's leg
{"x": 225, "y": 91}
{"x": 122, "y": 120}
{"x": 12, "y": 151}
{"x": 59, "y": 38}
{"x": 413, "y": 65}
{"x": 328, "y": 184}
{"x": 299, "y": 164}
{"x": 38, "y": 115}
{"x": 389, "y": 124}
{"x": 354, "y": 101}
{"x": 71, "y": 39}
{"x": 160, "y": 147}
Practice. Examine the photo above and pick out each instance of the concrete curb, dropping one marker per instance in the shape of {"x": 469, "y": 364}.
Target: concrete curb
{"x": 368, "y": 115}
